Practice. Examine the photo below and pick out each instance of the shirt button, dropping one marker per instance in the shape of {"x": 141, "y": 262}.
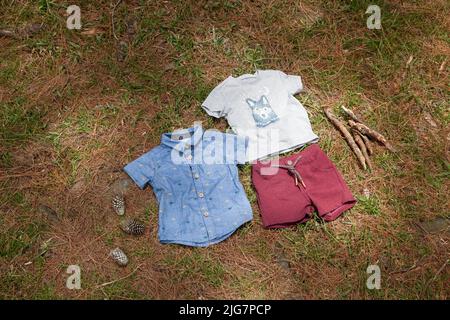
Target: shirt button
{"x": 201, "y": 194}
{"x": 189, "y": 157}
{"x": 206, "y": 213}
{"x": 196, "y": 176}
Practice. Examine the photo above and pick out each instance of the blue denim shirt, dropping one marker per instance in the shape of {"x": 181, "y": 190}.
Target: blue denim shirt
{"x": 195, "y": 179}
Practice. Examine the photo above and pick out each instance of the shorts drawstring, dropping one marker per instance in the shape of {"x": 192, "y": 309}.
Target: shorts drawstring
{"x": 290, "y": 167}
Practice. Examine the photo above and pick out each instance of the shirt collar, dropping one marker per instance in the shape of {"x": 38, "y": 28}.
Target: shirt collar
{"x": 179, "y": 139}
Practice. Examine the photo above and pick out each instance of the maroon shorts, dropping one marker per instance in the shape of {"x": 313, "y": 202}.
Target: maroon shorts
{"x": 320, "y": 188}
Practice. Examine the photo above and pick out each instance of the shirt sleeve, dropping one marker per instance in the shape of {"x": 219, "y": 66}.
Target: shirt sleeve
{"x": 141, "y": 170}
{"x": 293, "y": 83}
{"x": 214, "y": 104}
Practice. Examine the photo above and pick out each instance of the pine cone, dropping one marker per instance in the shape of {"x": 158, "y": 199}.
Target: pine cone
{"x": 118, "y": 204}
{"x": 119, "y": 257}
{"x": 132, "y": 226}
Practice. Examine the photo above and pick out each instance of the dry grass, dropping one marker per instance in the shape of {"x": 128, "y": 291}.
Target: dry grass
{"x": 71, "y": 116}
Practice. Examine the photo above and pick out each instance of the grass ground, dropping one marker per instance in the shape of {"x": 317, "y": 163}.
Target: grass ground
{"x": 72, "y": 115}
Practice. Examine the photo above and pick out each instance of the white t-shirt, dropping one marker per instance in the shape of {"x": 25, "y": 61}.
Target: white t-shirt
{"x": 262, "y": 107}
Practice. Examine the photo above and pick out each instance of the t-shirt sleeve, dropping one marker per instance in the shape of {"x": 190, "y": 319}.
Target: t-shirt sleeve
{"x": 293, "y": 83}
{"x": 142, "y": 169}
{"x": 214, "y": 104}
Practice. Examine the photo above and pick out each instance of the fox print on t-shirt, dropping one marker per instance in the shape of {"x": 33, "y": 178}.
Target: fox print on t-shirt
{"x": 262, "y": 111}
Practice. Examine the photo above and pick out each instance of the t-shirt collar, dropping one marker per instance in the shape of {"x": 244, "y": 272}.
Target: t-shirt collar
{"x": 245, "y": 76}
{"x": 179, "y": 139}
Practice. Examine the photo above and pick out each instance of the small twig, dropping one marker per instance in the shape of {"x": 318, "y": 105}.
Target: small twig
{"x": 414, "y": 266}
{"x": 355, "y": 118}
{"x": 407, "y": 67}
{"x": 420, "y": 227}
{"x": 120, "y": 279}
{"x": 8, "y": 33}
{"x": 409, "y": 61}
{"x": 372, "y": 134}
{"x": 350, "y": 113}
{"x": 442, "y": 66}
{"x": 27, "y": 31}
{"x": 366, "y": 143}
{"x": 436, "y": 275}
{"x": 68, "y": 78}
{"x": 25, "y": 174}
{"x": 440, "y": 269}
{"x": 351, "y": 142}
{"x": 112, "y": 18}
{"x": 362, "y": 146}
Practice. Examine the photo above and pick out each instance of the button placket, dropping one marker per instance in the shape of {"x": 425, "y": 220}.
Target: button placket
{"x": 202, "y": 199}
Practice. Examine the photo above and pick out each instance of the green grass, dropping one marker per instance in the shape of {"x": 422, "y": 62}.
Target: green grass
{"x": 9, "y": 72}
{"x": 109, "y": 112}
{"x": 18, "y": 122}
{"x": 26, "y": 285}
{"x": 196, "y": 264}
{"x": 124, "y": 291}
{"x": 248, "y": 285}
{"x": 17, "y": 241}
{"x": 5, "y": 159}
{"x": 370, "y": 205}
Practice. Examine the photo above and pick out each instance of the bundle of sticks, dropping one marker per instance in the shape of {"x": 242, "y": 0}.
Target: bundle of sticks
{"x": 358, "y": 136}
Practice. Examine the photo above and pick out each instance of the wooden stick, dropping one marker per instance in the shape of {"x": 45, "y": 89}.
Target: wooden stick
{"x": 359, "y": 141}
{"x": 350, "y": 113}
{"x": 355, "y": 118}
{"x": 366, "y": 142}
{"x": 351, "y": 142}
{"x": 372, "y": 134}
{"x": 112, "y": 18}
